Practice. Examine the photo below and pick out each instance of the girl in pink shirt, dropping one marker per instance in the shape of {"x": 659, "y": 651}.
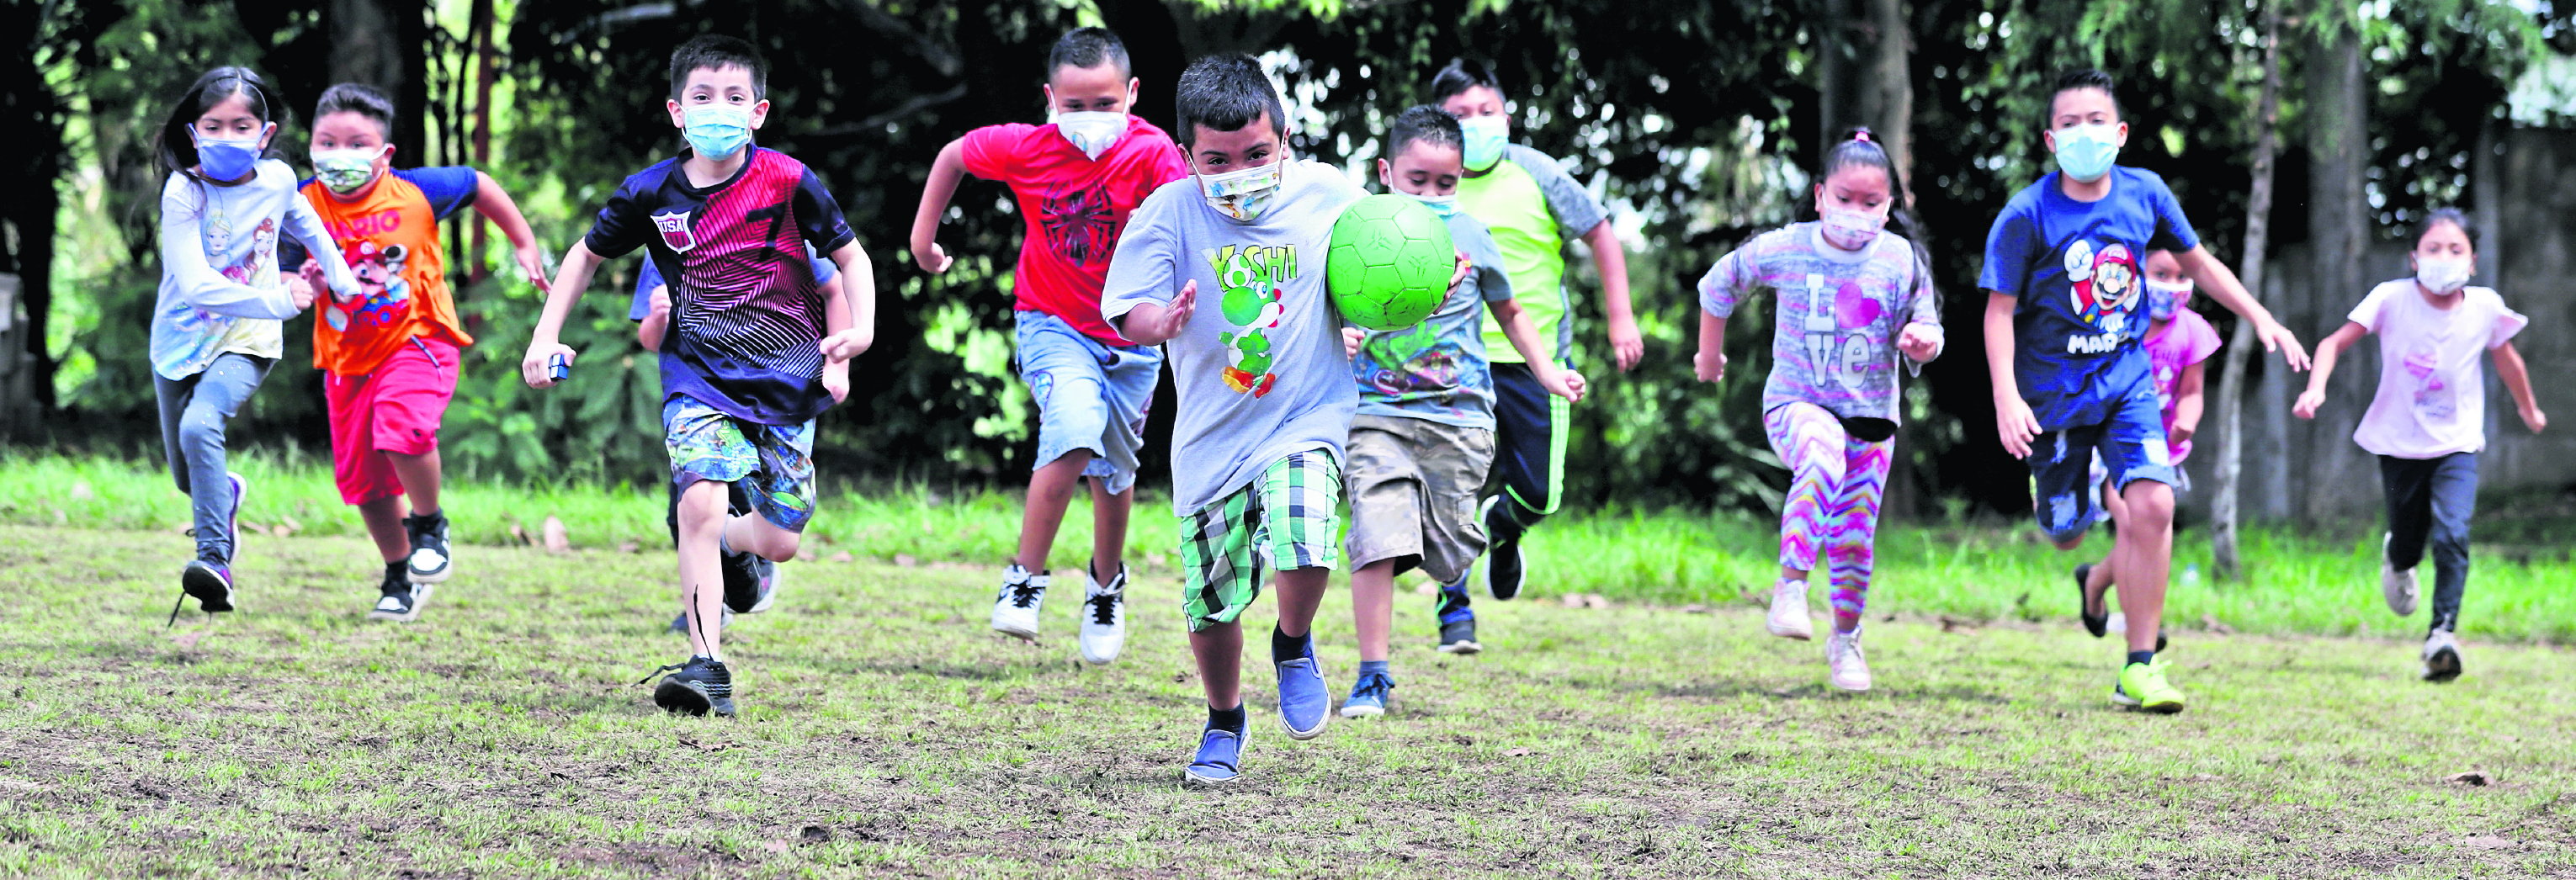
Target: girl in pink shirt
{"x": 2428, "y": 420}
{"x": 2178, "y": 341}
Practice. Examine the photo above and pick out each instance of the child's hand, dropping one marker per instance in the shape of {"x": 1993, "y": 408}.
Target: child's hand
{"x": 839, "y": 348}
{"x": 1465, "y": 268}
{"x": 533, "y": 368}
{"x": 1351, "y": 337}
{"x": 534, "y": 265}
{"x": 299, "y": 292}
{"x": 658, "y": 303}
{"x": 2306, "y": 406}
{"x": 2278, "y": 338}
{"x": 1161, "y": 326}
{"x": 931, "y": 258}
{"x": 1922, "y": 342}
{"x": 1567, "y": 384}
{"x": 2015, "y": 424}
{"x": 836, "y": 379}
{"x": 1710, "y": 365}
{"x": 2534, "y": 419}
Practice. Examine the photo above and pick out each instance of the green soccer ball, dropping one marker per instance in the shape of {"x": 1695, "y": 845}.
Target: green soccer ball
{"x": 1390, "y": 263}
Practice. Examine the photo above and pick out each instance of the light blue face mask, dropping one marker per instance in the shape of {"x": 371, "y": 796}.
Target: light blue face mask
{"x": 716, "y": 131}
{"x": 1445, "y": 206}
{"x": 228, "y": 160}
{"x": 1485, "y": 137}
{"x": 2084, "y": 152}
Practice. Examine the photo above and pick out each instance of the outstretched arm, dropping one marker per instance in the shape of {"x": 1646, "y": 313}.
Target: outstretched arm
{"x": 2220, "y": 281}
{"x": 936, "y": 193}
{"x": 1626, "y": 344}
{"x": 495, "y": 205}
{"x": 2517, "y": 379}
{"x": 561, "y": 295}
{"x": 2329, "y": 350}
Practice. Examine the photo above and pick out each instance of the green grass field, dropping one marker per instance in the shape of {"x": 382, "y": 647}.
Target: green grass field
{"x": 886, "y": 732}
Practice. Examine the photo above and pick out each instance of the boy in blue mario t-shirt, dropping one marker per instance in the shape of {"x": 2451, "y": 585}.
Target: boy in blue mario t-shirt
{"x": 2064, "y": 320}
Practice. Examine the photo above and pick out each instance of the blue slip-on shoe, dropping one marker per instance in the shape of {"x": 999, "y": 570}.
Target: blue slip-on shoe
{"x": 1219, "y": 761}
{"x": 1305, "y": 701}
{"x": 1368, "y": 695}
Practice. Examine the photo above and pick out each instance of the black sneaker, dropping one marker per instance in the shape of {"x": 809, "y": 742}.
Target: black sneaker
{"x": 400, "y": 600}
{"x": 2097, "y": 624}
{"x": 1457, "y": 621}
{"x": 750, "y": 581}
{"x": 210, "y": 582}
{"x": 696, "y": 687}
{"x": 429, "y": 562}
{"x": 1502, "y": 569}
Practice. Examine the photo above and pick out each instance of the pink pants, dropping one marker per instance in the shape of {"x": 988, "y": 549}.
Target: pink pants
{"x": 1835, "y": 483}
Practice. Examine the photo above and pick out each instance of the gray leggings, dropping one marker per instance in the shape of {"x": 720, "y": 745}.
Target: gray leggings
{"x": 193, "y": 412}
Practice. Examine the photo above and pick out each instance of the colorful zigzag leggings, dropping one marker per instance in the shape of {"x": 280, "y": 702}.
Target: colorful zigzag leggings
{"x": 1834, "y": 486}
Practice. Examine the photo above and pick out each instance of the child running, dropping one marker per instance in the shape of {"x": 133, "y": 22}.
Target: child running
{"x": 392, "y": 352}
{"x": 1265, "y": 395}
{"x": 1423, "y": 437}
{"x": 1077, "y": 179}
{"x": 1851, "y": 298}
{"x": 755, "y": 349}
{"x": 2062, "y": 328}
{"x": 2179, "y": 342}
{"x": 2428, "y": 420}
{"x": 1533, "y": 208}
{"x": 217, "y": 321}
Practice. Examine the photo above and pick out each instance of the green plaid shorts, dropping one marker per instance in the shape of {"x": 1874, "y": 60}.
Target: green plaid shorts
{"x": 1287, "y": 515}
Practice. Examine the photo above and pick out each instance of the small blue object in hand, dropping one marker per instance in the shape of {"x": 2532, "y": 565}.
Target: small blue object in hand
{"x": 557, "y": 368}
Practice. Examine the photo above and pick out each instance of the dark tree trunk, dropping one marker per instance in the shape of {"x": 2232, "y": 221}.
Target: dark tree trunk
{"x": 2226, "y": 564}
{"x": 2339, "y": 223}
{"x": 385, "y": 43}
{"x": 30, "y": 165}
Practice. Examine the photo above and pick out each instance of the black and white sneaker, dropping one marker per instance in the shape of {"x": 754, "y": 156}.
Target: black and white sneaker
{"x": 429, "y": 562}
{"x": 695, "y": 687}
{"x": 1015, "y": 607}
{"x": 400, "y": 599}
{"x": 2441, "y": 656}
{"x": 750, "y": 582}
{"x": 207, "y": 580}
{"x": 1502, "y": 572}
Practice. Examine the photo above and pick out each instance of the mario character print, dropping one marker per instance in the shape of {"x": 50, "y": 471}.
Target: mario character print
{"x": 2103, "y": 285}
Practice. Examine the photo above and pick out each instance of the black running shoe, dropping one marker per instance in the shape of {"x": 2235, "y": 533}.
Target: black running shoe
{"x": 1502, "y": 571}
{"x": 1457, "y": 621}
{"x": 429, "y": 562}
{"x": 210, "y": 582}
{"x": 2097, "y": 624}
{"x": 399, "y": 600}
{"x": 749, "y": 582}
{"x": 696, "y": 687}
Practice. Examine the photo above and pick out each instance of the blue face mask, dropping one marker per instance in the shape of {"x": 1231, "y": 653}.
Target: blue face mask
{"x": 1485, "y": 136}
{"x": 229, "y": 160}
{"x": 716, "y": 131}
{"x": 1444, "y": 206}
{"x": 2084, "y": 152}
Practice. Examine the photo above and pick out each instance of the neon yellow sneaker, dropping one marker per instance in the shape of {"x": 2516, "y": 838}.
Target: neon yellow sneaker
{"x": 2143, "y": 686}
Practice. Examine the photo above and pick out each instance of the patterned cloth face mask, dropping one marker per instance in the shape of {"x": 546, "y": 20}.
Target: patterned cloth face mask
{"x": 2442, "y": 274}
{"x": 1091, "y": 131}
{"x": 2166, "y": 297}
{"x": 1244, "y": 194}
{"x": 1852, "y": 229}
{"x": 346, "y": 171}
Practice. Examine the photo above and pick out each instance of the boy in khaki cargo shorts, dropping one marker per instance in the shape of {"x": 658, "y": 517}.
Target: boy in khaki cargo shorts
{"x": 1423, "y": 436}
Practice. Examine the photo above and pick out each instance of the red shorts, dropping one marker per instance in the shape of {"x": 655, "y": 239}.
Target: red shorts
{"x": 394, "y": 409}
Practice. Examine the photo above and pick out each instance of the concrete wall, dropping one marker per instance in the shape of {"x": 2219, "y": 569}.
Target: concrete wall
{"x": 2311, "y": 471}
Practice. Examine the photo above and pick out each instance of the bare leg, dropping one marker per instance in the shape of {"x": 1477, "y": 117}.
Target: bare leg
{"x": 419, "y": 476}
{"x": 702, "y": 525}
{"x": 1219, "y": 652}
{"x": 750, "y": 533}
{"x": 1791, "y": 574}
{"x": 1109, "y": 530}
{"x": 384, "y": 518}
{"x": 2144, "y": 555}
{"x": 1050, "y": 492}
{"x": 1301, "y": 592}
{"x": 1373, "y": 606}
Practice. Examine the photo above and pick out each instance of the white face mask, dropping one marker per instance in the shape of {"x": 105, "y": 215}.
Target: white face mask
{"x": 1852, "y": 229}
{"x": 2442, "y": 274}
{"x": 1091, "y": 131}
{"x": 1244, "y": 194}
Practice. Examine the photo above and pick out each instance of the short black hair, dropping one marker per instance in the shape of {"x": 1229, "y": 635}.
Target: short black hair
{"x": 2439, "y": 216}
{"x": 1462, "y": 74}
{"x": 1423, "y": 123}
{"x": 716, "y": 52}
{"x": 2073, "y": 80}
{"x": 1083, "y": 48}
{"x": 1225, "y": 93}
{"x": 178, "y": 148}
{"x": 360, "y": 99}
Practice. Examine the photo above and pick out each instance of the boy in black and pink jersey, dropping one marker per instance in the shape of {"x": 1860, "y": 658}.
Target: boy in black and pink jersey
{"x": 755, "y": 348}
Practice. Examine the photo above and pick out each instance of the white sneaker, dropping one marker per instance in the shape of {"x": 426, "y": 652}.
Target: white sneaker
{"x": 1788, "y": 618}
{"x": 2441, "y": 656}
{"x": 2398, "y": 587}
{"x": 1015, "y": 609}
{"x": 1842, "y": 655}
{"x": 1104, "y": 617}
